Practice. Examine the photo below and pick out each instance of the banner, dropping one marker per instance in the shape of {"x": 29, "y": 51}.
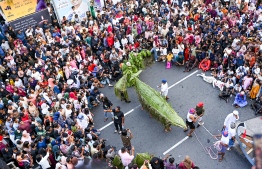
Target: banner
{"x": 37, "y": 18}
{"x": 14, "y": 9}
{"x": 69, "y": 8}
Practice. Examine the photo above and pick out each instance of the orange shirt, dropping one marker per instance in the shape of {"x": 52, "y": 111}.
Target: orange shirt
{"x": 252, "y": 61}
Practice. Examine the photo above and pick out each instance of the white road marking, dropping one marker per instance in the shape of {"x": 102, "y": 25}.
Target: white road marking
{"x": 177, "y": 144}
{"x": 182, "y": 79}
{"x": 130, "y": 111}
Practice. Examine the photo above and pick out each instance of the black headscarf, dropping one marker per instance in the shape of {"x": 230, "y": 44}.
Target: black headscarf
{"x": 158, "y": 165}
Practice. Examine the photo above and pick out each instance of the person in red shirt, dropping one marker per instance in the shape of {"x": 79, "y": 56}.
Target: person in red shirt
{"x": 25, "y": 125}
{"x": 205, "y": 64}
{"x": 110, "y": 40}
{"x": 91, "y": 67}
{"x": 24, "y": 116}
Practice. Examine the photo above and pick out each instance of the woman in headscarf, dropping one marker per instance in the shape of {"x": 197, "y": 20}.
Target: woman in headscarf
{"x": 26, "y": 137}
{"x": 187, "y": 163}
{"x": 157, "y": 163}
{"x": 9, "y": 88}
{"x": 255, "y": 89}
{"x": 56, "y": 89}
{"x": 72, "y": 96}
{"x": 32, "y": 109}
{"x": 66, "y": 95}
{"x": 240, "y": 100}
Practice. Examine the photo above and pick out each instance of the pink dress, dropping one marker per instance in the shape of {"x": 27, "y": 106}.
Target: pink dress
{"x": 247, "y": 82}
{"x": 67, "y": 72}
{"x": 73, "y": 64}
{"x": 51, "y": 82}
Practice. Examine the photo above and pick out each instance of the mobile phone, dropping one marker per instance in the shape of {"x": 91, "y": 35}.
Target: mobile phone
{"x": 257, "y": 138}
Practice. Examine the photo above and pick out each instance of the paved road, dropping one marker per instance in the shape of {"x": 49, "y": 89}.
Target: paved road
{"x": 149, "y": 135}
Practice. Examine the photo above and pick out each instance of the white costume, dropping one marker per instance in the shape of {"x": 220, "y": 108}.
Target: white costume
{"x": 82, "y": 120}
{"x": 231, "y": 118}
{"x": 208, "y": 79}
{"x": 164, "y": 89}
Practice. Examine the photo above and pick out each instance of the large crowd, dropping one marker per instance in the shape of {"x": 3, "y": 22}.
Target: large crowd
{"x": 51, "y": 74}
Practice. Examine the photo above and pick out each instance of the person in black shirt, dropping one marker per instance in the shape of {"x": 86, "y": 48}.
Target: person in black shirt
{"x": 119, "y": 119}
{"x": 107, "y": 105}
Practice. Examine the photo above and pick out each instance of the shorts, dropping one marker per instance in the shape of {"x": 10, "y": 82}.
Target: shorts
{"x": 190, "y": 124}
{"x": 128, "y": 148}
{"x": 223, "y": 149}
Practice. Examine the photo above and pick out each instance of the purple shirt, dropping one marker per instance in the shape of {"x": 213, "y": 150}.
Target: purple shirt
{"x": 169, "y": 166}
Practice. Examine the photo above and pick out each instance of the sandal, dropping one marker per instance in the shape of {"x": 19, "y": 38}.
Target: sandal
{"x": 189, "y": 135}
{"x": 221, "y": 159}
{"x": 105, "y": 119}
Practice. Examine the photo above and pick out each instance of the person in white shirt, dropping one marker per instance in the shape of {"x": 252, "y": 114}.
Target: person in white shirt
{"x": 43, "y": 161}
{"x": 163, "y": 53}
{"x": 124, "y": 41}
{"x": 68, "y": 111}
{"x": 117, "y": 44}
{"x": 115, "y": 21}
{"x": 5, "y": 46}
{"x": 232, "y": 117}
{"x": 175, "y": 51}
{"x": 181, "y": 47}
{"x": 29, "y": 31}
{"x": 40, "y": 31}
{"x": 36, "y": 75}
{"x": 82, "y": 120}
{"x": 19, "y": 83}
{"x": 224, "y": 141}
{"x": 131, "y": 38}
{"x": 164, "y": 89}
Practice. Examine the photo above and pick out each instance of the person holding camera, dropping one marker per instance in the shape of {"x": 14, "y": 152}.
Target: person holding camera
{"x": 126, "y": 158}
{"x": 126, "y": 140}
{"x": 106, "y": 77}
{"x": 171, "y": 162}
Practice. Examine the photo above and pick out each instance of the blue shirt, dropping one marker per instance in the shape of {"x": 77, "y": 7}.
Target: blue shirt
{"x": 41, "y": 144}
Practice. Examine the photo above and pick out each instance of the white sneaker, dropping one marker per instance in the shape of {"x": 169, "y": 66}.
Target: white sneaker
{"x": 228, "y": 149}
{"x": 200, "y": 123}
{"x": 119, "y": 132}
{"x": 110, "y": 85}
{"x": 115, "y": 131}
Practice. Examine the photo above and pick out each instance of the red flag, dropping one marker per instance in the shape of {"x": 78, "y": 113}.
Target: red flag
{"x": 244, "y": 134}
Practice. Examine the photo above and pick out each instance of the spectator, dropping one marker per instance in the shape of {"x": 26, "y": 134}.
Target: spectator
{"x": 126, "y": 158}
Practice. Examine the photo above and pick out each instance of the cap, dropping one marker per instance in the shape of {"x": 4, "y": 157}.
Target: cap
{"x": 200, "y": 104}
{"x": 235, "y": 112}
{"x": 163, "y": 81}
{"x": 192, "y": 111}
{"x": 225, "y": 133}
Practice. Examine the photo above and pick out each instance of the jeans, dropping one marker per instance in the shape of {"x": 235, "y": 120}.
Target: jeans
{"x": 153, "y": 50}
{"x": 105, "y": 114}
{"x": 231, "y": 143}
{"x": 118, "y": 125}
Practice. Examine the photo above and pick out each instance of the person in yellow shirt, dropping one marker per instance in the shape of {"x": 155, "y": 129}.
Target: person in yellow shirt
{"x": 169, "y": 57}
